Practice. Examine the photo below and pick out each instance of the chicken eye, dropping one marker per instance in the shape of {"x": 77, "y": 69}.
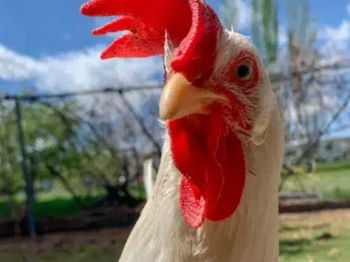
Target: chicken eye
{"x": 244, "y": 72}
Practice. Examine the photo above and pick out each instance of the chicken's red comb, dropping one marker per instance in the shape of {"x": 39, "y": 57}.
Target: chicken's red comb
{"x": 191, "y": 25}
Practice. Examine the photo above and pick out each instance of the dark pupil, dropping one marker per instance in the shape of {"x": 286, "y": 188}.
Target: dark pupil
{"x": 243, "y": 71}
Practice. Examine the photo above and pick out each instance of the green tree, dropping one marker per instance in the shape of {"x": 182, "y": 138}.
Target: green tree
{"x": 265, "y": 28}
{"x": 10, "y": 171}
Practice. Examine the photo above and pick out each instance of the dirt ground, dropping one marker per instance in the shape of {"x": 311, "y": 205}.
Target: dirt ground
{"x": 106, "y": 245}
{"x": 339, "y": 216}
{"x": 101, "y": 246}
{"x": 315, "y": 237}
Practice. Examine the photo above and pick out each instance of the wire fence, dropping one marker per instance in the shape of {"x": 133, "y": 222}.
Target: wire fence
{"x": 93, "y": 141}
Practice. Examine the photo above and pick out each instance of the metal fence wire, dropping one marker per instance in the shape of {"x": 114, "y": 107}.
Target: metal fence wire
{"x": 90, "y": 141}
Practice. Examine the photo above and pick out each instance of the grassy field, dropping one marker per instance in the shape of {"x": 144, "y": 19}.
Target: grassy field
{"x": 315, "y": 237}
{"x": 331, "y": 181}
{"x": 52, "y": 207}
{"x": 58, "y": 202}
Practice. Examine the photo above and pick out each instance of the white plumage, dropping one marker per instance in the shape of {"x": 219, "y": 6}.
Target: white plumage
{"x": 148, "y": 178}
{"x": 251, "y": 233}
{"x": 223, "y": 133}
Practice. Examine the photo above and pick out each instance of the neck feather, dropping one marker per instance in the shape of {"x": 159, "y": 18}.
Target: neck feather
{"x": 250, "y": 234}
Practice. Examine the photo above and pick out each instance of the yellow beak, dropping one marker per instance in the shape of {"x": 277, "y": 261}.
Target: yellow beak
{"x": 179, "y": 99}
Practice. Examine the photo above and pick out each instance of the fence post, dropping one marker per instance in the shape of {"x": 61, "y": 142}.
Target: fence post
{"x": 29, "y": 189}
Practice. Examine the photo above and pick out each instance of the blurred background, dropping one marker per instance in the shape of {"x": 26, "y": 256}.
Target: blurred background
{"x": 75, "y": 131}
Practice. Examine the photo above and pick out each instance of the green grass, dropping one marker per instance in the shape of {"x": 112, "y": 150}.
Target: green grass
{"x": 56, "y": 207}
{"x": 320, "y": 246}
{"x": 58, "y": 202}
{"x": 316, "y": 239}
{"x": 62, "y": 206}
{"x": 331, "y": 180}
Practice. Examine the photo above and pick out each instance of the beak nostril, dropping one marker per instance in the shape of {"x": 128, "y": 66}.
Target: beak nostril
{"x": 180, "y": 98}
{"x": 198, "y": 80}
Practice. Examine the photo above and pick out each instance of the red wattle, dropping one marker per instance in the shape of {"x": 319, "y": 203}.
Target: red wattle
{"x": 192, "y": 203}
{"x": 210, "y": 157}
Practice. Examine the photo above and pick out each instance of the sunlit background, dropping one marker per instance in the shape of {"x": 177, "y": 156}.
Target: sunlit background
{"x": 76, "y": 131}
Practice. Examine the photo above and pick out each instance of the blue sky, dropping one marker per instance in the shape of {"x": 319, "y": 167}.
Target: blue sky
{"x": 49, "y": 27}
{"x": 47, "y": 44}
{"x": 38, "y": 37}
{"x": 44, "y": 27}
{"x": 325, "y": 12}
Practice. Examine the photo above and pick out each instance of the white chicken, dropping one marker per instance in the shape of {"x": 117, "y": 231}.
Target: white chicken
{"x": 216, "y": 194}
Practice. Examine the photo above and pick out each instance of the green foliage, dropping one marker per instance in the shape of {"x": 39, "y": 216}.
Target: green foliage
{"x": 265, "y": 28}
{"x": 302, "y": 32}
{"x": 137, "y": 190}
{"x": 10, "y": 171}
{"x": 4, "y": 209}
{"x": 62, "y": 148}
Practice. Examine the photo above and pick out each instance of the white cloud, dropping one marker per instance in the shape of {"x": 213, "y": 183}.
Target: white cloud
{"x": 81, "y": 70}
{"x": 335, "y": 41}
{"x": 339, "y": 36}
{"x": 77, "y": 70}
{"x": 236, "y": 13}
{"x": 282, "y": 36}
{"x": 244, "y": 15}
{"x": 14, "y": 66}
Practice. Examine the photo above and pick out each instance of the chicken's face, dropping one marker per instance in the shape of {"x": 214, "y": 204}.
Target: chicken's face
{"x": 209, "y": 118}
{"x": 215, "y": 100}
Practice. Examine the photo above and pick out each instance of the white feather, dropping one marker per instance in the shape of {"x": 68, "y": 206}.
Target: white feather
{"x": 251, "y": 233}
{"x": 148, "y": 177}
